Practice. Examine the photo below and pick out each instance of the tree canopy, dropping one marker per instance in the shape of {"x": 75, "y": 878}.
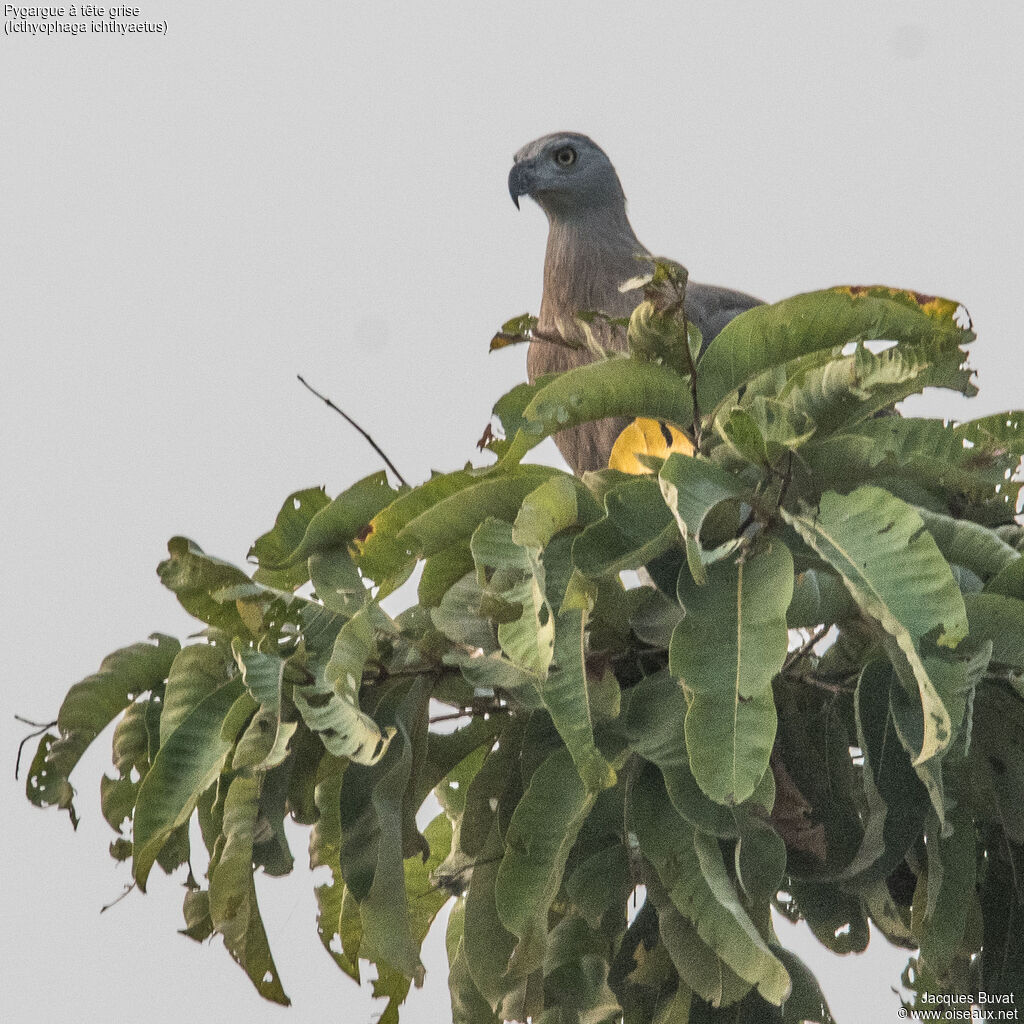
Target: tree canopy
{"x": 815, "y": 707}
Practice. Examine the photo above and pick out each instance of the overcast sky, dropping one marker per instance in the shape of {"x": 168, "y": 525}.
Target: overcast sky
{"x": 188, "y": 220}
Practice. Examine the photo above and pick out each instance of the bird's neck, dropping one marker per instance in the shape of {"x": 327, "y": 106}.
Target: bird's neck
{"x": 589, "y": 254}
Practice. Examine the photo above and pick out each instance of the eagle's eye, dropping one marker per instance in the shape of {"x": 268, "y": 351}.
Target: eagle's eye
{"x": 565, "y": 157}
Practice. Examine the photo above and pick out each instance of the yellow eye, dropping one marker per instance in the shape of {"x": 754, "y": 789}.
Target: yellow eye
{"x": 565, "y": 157}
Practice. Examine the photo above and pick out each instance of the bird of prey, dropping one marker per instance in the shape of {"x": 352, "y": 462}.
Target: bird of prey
{"x": 591, "y": 251}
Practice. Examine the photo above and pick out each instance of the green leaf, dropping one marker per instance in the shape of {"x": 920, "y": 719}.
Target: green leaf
{"x": 232, "y": 898}
{"x": 337, "y": 582}
{"x": 488, "y": 944}
{"x": 384, "y": 909}
{"x": 610, "y": 387}
{"x": 806, "y": 1003}
{"x": 692, "y": 487}
{"x": 540, "y": 835}
{"x": 187, "y": 764}
{"x": 726, "y": 651}
{"x": 576, "y": 973}
{"x": 208, "y": 588}
{"x": 971, "y": 545}
{"x": 566, "y": 695}
{"x": 468, "y": 1005}
{"x": 998, "y": 430}
{"x": 836, "y": 917}
{"x": 925, "y": 452}
{"x": 896, "y": 574}
{"x": 273, "y": 547}
{"x": 372, "y": 811}
{"x": 441, "y": 572}
{"x": 942, "y": 930}
{"x": 454, "y": 518}
{"x": 895, "y": 798}
{"x": 1000, "y": 619}
{"x": 197, "y": 670}
{"x": 264, "y": 744}
{"x": 849, "y": 389}
{"x": 45, "y": 787}
{"x": 341, "y": 522}
{"x": 324, "y": 851}
{"x": 654, "y": 724}
{"x": 700, "y": 968}
{"x": 599, "y": 883}
{"x": 527, "y": 638}
{"x": 818, "y": 597}
{"x": 636, "y": 528}
{"x": 329, "y": 702}
{"x": 690, "y": 866}
{"x": 996, "y": 760}
{"x": 768, "y": 335}
{"x": 87, "y": 709}
{"x": 425, "y": 902}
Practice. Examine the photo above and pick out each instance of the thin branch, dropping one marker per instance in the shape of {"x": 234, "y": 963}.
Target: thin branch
{"x": 787, "y": 479}
{"x": 468, "y": 713}
{"x": 821, "y": 684}
{"x": 341, "y": 412}
{"x": 114, "y": 903}
{"x": 35, "y": 725}
{"x": 556, "y": 339}
{"x": 795, "y": 655}
{"x": 41, "y": 727}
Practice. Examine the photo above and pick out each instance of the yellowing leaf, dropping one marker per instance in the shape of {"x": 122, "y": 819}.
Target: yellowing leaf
{"x": 646, "y": 437}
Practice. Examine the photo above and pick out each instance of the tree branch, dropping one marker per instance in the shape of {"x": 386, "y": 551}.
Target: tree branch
{"x": 41, "y": 727}
{"x": 341, "y": 412}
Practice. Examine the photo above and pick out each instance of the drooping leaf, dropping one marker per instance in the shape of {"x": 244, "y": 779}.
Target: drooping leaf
{"x": 88, "y": 708}
{"x": 187, "y": 764}
{"x": 610, "y": 387}
{"x": 654, "y": 725}
{"x": 726, "y": 650}
{"x": 197, "y": 670}
{"x": 329, "y": 700}
{"x": 768, "y": 335}
{"x": 968, "y": 544}
{"x": 540, "y": 835}
{"x": 468, "y": 1005}
{"x": 692, "y": 488}
{"x": 896, "y": 799}
{"x": 232, "y": 899}
{"x": 896, "y": 574}
{"x": 690, "y": 866}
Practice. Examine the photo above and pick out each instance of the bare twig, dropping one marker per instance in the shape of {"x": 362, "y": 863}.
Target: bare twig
{"x": 114, "y": 903}
{"x": 469, "y": 713}
{"x": 787, "y": 479}
{"x": 341, "y": 412}
{"x": 557, "y": 339}
{"x": 795, "y": 655}
{"x": 40, "y": 728}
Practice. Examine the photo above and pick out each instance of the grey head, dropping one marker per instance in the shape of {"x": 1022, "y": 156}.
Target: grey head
{"x": 566, "y": 174}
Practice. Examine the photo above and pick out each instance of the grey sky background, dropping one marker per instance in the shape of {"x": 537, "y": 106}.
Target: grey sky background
{"x": 189, "y": 220}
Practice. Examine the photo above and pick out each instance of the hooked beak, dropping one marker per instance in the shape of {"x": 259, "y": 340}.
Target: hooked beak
{"x": 519, "y": 182}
